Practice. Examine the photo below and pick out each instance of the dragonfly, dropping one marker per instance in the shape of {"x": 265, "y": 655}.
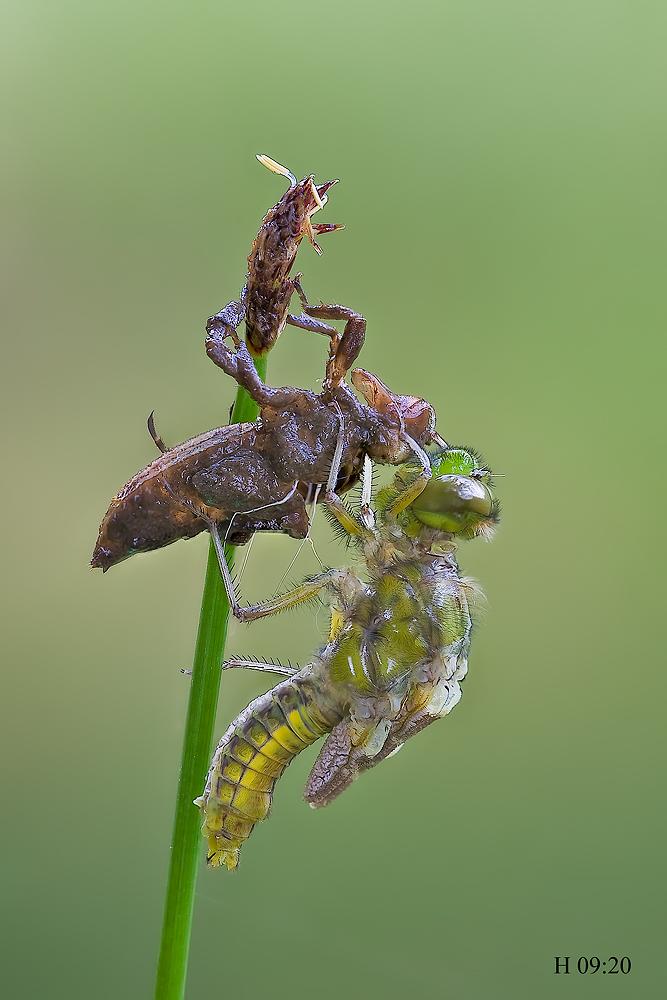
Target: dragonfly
{"x": 394, "y": 658}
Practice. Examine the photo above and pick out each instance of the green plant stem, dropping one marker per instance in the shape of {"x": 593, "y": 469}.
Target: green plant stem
{"x": 187, "y": 843}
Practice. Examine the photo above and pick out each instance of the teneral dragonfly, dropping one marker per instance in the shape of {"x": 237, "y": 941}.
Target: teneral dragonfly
{"x": 396, "y": 654}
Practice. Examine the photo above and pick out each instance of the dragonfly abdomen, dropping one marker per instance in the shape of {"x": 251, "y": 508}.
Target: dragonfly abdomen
{"x": 250, "y": 758}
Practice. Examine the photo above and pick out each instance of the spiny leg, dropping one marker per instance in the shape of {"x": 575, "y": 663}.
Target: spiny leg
{"x": 345, "y": 517}
{"x": 246, "y": 555}
{"x": 299, "y": 595}
{"x": 273, "y": 606}
{"x": 203, "y": 512}
{"x": 305, "y": 592}
{"x": 290, "y": 599}
{"x": 265, "y": 665}
{"x": 418, "y": 485}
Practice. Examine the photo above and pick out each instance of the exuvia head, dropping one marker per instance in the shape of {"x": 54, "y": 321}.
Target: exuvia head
{"x": 312, "y": 196}
{"x": 458, "y": 499}
{"x": 411, "y": 413}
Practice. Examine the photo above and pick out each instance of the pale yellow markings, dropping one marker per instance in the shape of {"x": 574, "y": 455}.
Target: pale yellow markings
{"x": 241, "y": 750}
{"x": 224, "y": 793}
{"x": 420, "y": 697}
{"x": 255, "y": 779}
{"x": 233, "y": 770}
{"x": 259, "y": 762}
{"x": 252, "y": 804}
{"x": 278, "y": 753}
{"x": 336, "y": 623}
{"x": 214, "y": 819}
{"x": 300, "y": 727}
{"x": 287, "y": 739}
{"x": 239, "y": 828}
{"x": 257, "y": 735}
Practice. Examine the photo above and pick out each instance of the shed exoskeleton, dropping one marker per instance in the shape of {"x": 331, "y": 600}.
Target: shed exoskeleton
{"x": 268, "y": 289}
{"x": 396, "y": 653}
{"x": 260, "y": 476}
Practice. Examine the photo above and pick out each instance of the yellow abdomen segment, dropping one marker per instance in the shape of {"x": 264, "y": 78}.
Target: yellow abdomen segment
{"x": 248, "y": 761}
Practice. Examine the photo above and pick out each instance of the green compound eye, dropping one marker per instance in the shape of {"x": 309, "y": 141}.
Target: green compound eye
{"x": 454, "y": 462}
{"x": 454, "y": 503}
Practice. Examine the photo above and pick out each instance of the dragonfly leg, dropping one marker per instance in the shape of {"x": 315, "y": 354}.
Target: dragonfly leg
{"x": 418, "y": 485}
{"x": 290, "y": 599}
{"x": 273, "y": 606}
{"x": 350, "y": 524}
{"x": 203, "y": 512}
{"x": 264, "y": 665}
{"x": 358, "y": 527}
{"x": 250, "y": 612}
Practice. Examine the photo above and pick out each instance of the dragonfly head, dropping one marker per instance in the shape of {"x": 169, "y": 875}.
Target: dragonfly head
{"x": 458, "y": 500}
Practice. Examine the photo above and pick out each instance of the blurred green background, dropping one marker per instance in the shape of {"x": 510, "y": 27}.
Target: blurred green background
{"x": 503, "y": 171}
